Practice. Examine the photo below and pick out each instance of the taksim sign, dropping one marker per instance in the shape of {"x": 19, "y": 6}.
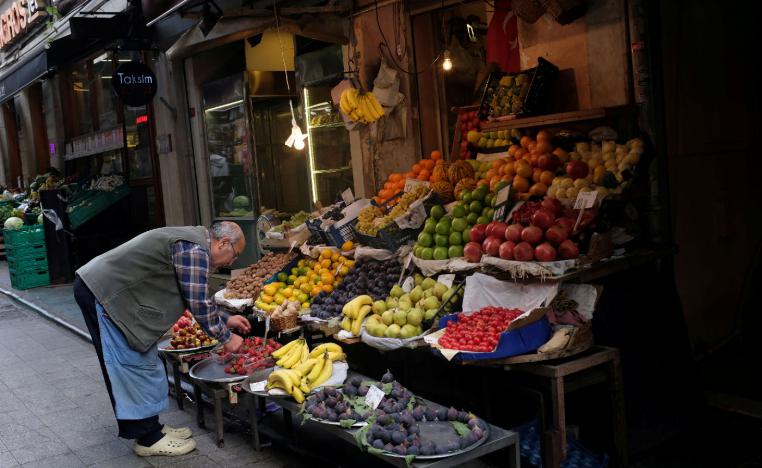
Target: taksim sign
{"x": 134, "y": 83}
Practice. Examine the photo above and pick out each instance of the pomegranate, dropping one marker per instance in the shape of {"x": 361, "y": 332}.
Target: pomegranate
{"x": 577, "y": 169}
{"x": 523, "y": 252}
{"x": 556, "y": 234}
{"x": 477, "y": 233}
{"x": 567, "y": 249}
{"x": 473, "y": 252}
{"x": 552, "y": 205}
{"x": 496, "y": 229}
{"x": 491, "y": 245}
{"x": 506, "y": 250}
{"x": 542, "y": 219}
{"x": 531, "y": 234}
{"x": 513, "y": 232}
{"x": 567, "y": 224}
{"x": 545, "y": 252}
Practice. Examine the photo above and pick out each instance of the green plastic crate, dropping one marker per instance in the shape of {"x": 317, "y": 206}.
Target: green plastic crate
{"x": 16, "y": 263}
{"x": 96, "y": 203}
{"x": 24, "y": 236}
{"x": 27, "y": 279}
{"x": 29, "y": 250}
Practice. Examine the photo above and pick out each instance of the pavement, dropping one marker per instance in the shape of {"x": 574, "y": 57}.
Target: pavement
{"x": 55, "y": 411}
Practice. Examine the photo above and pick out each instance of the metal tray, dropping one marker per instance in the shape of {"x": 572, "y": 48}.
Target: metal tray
{"x": 164, "y": 343}
{"x": 440, "y": 432}
{"x": 209, "y": 370}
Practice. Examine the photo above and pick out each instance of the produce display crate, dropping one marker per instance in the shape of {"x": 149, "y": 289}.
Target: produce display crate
{"x": 286, "y": 269}
{"x": 336, "y": 236}
{"x": 24, "y": 236}
{"x": 540, "y": 79}
{"x": 28, "y": 262}
{"x": 314, "y": 227}
{"x": 94, "y": 202}
{"x": 388, "y": 238}
{"x": 27, "y": 279}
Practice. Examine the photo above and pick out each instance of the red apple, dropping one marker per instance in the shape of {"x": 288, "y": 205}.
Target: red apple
{"x": 577, "y": 169}
{"x": 496, "y": 229}
{"x": 568, "y": 250}
{"x": 513, "y": 232}
{"x": 556, "y": 234}
{"x": 478, "y": 233}
{"x": 506, "y": 250}
{"x": 491, "y": 245}
{"x": 545, "y": 252}
{"x": 566, "y": 223}
{"x": 531, "y": 234}
{"x": 473, "y": 252}
{"x": 465, "y": 117}
{"x": 542, "y": 219}
{"x": 553, "y": 205}
{"x": 548, "y": 162}
{"x": 523, "y": 252}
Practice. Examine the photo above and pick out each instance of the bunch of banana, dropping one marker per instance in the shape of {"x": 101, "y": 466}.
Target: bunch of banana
{"x": 293, "y": 353}
{"x": 308, "y": 374}
{"x": 288, "y": 380}
{"x": 360, "y": 107}
{"x": 355, "y": 312}
{"x": 335, "y": 353}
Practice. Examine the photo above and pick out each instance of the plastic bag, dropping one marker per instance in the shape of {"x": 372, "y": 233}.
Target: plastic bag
{"x": 484, "y": 290}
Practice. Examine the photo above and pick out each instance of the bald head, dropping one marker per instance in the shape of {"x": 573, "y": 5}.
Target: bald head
{"x": 228, "y": 243}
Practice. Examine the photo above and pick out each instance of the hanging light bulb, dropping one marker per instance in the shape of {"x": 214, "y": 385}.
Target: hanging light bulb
{"x": 296, "y": 139}
{"x": 447, "y": 62}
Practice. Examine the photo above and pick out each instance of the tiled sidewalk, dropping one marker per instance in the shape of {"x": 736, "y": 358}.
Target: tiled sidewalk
{"x": 55, "y": 412}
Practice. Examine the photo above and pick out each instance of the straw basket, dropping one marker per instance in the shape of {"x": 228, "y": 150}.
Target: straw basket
{"x": 283, "y": 322}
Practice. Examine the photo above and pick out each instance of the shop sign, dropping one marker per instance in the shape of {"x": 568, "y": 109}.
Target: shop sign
{"x": 15, "y": 19}
{"x": 134, "y": 83}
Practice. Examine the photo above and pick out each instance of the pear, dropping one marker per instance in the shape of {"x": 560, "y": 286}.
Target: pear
{"x": 440, "y": 289}
{"x": 400, "y": 317}
{"x": 373, "y": 320}
{"x": 429, "y": 293}
{"x": 415, "y": 316}
{"x": 429, "y": 314}
{"x": 392, "y": 331}
{"x": 450, "y": 292}
{"x": 388, "y": 317}
{"x": 408, "y": 331}
{"x": 431, "y": 303}
{"x": 396, "y": 291}
{"x": 416, "y": 294}
{"x": 405, "y": 305}
{"x": 379, "y": 307}
{"x": 379, "y": 330}
{"x": 406, "y": 297}
{"x": 418, "y": 330}
{"x": 418, "y": 278}
{"x": 391, "y": 302}
{"x": 428, "y": 283}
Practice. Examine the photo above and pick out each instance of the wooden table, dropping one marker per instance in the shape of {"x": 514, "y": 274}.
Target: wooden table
{"x": 498, "y": 439}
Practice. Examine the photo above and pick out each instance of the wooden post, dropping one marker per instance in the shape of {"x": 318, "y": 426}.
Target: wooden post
{"x": 39, "y": 128}
{"x": 14, "y": 152}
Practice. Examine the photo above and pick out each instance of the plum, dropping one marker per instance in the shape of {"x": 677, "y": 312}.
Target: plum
{"x": 384, "y": 419}
{"x": 427, "y": 448}
{"x": 341, "y": 407}
{"x": 412, "y": 437}
{"x": 414, "y": 429}
{"x": 350, "y": 391}
{"x": 389, "y": 447}
{"x": 418, "y": 413}
{"x": 331, "y": 402}
{"x": 386, "y": 436}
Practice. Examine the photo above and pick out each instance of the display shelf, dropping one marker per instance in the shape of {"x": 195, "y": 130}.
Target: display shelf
{"x": 333, "y": 125}
{"x": 555, "y": 119}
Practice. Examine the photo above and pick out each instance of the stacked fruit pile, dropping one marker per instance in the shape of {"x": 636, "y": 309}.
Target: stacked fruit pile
{"x": 371, "y": 277}
{"x": 331, "y": 405}
{"x": 360, "y": 107}
{"x": 540, "y": 232}
{"x": 355, "y": 312}
{"x": 256, "y": 346}
{"x": 248, "y": 284}
{"x": 478, "y": 331}
{"x": 308, "y": 279}
{"x": 187, "y": 334}
{"x": 374, "y": 218}
{"x": 302, "y": 370}
{"x": 403, "y": 315}
{"x": 444, "y": 236}
{"x": 395, "y": 183}
{"x": 469, "y": 125}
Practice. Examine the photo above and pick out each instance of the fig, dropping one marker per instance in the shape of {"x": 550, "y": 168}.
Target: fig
{"x": 427, "y": 448}
{"x": 431, "y": 414}
{"x": 477, "y": 432}
{"x": 387, "y": 377}
{"x": 400, "y": 450}
{"x": 362, "y": 390}
{"x": 398, "y": 437}
{"x": 331, "y": 402}
{"x": 384, "y": 419}
{"x": 413, "y": 450}
{"x": 462, "y": 416}
{"x": 389, "y": 447}
{"x": 414, "y": 429}
{"x": 452, "y": 414}
{"x": 378, "y": 443}
{"x": 355, "y": 381}
{"x": 442, "y": 414}
{"x": 418, "y": 413}
{"x": 350, "y": 391}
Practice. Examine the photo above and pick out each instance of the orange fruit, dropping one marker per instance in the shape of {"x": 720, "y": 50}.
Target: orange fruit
{"x": 436, "y": 155}
{"x": 538, "y": 189}
{"x": 348, "y": 245}
{"x": 497, "y": 164}
{"x": 400, "y": 185}
{"x": 327, "y": 253}
{"x": 525, "y": 140}
{"x": 544, "y": 147}
{"x": 532, "y": 146}
{"x": 386, "y": 193}
{"x": 547, "y": 177}
{"x": 562, "y": 155}
{"x": 427, "y": 164}
{"x": 409, "y": 175}
{"x": 378, "y": 200}
{"x": 417, "y": 168}
{"x": 520, "y": 153}
{"x": 439, "y": 162}
{"x": 315, "y": 291}
{"x": 520, "y": 184}
{"x": 389, "y": 185}
{"x": 523, "y": 169}
{"x": 490, "y": 174}
{"x": 424, "y": 174}
{"x": 512, "y": 150}
{"x": 327, "y": 288}
{"x": 543, "y": 135}
{"x": 536, "y": 173}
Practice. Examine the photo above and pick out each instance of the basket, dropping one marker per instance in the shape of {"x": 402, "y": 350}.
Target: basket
{"x": 528, "y": 10}
{"x": 24, "y": 236}
{"x": 540, "y": 78}
{"x": 27, "y": 279}
{"x": 283, "y": 322}
{"x": 338, "y": 235}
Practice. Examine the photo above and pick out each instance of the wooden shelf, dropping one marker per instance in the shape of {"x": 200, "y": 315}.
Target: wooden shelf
{"x": 555, "y": 119}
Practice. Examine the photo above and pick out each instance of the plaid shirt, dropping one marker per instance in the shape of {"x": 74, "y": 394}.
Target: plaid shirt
{"x": 192, "y": 264}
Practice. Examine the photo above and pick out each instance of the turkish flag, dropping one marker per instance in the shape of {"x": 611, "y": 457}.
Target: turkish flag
{"x": 503, "y": 38}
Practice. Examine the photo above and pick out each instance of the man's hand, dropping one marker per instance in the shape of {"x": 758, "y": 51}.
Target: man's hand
{"x": 239, "y": 324}
{"x": 234, "y": 343}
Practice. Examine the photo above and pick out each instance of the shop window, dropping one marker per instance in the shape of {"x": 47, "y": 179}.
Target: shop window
{"x": 106, "y": 104}
{"x": 138, "y": 142}
{"x": 79, "y": 83}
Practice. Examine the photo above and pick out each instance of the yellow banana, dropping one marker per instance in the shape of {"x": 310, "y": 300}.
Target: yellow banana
{"x": 325, "y": 374}
{"x": 295, "y": 377}
{"x": 285, "y": 349}
{"x": 305, "y": 386}
{"x": 346, "y": 324}
{"x": 357, "y": 324}
{"x": 377, "y": 108}
{"x": 292, "y": 359}
{"x": 280, "y": 380}
{"x": 362, "y": 105}
{"x": 318, "y": 350}
{"x": 297, "y": 394}
{"x": 316, "y": 370}
{"x": 344, "y": 102}
{"x": 305, "y": 367}
{"x": 305, "y": 352}
{"x": 337, "y": 356}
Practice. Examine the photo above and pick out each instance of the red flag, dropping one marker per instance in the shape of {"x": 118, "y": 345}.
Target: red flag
{"x": 503, "y": 38}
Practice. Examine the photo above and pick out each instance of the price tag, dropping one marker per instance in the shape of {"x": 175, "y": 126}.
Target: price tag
{"x": 258, "y": 386}
{"x": 410, "y": 184}
{"x": 502, "y": 195}
{"x": 374, "y": 396}
{"x": 407, "y": 285}
{"x": 501, "y": 203}
{"x": 585, "y": 200}
{"x": 447, "y": 279}
{"x": 404, "y": 268}
{"x": 348, "y": 196}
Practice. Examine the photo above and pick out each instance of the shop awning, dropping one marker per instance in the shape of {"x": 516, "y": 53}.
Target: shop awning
{"x": 23, "y": 74}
